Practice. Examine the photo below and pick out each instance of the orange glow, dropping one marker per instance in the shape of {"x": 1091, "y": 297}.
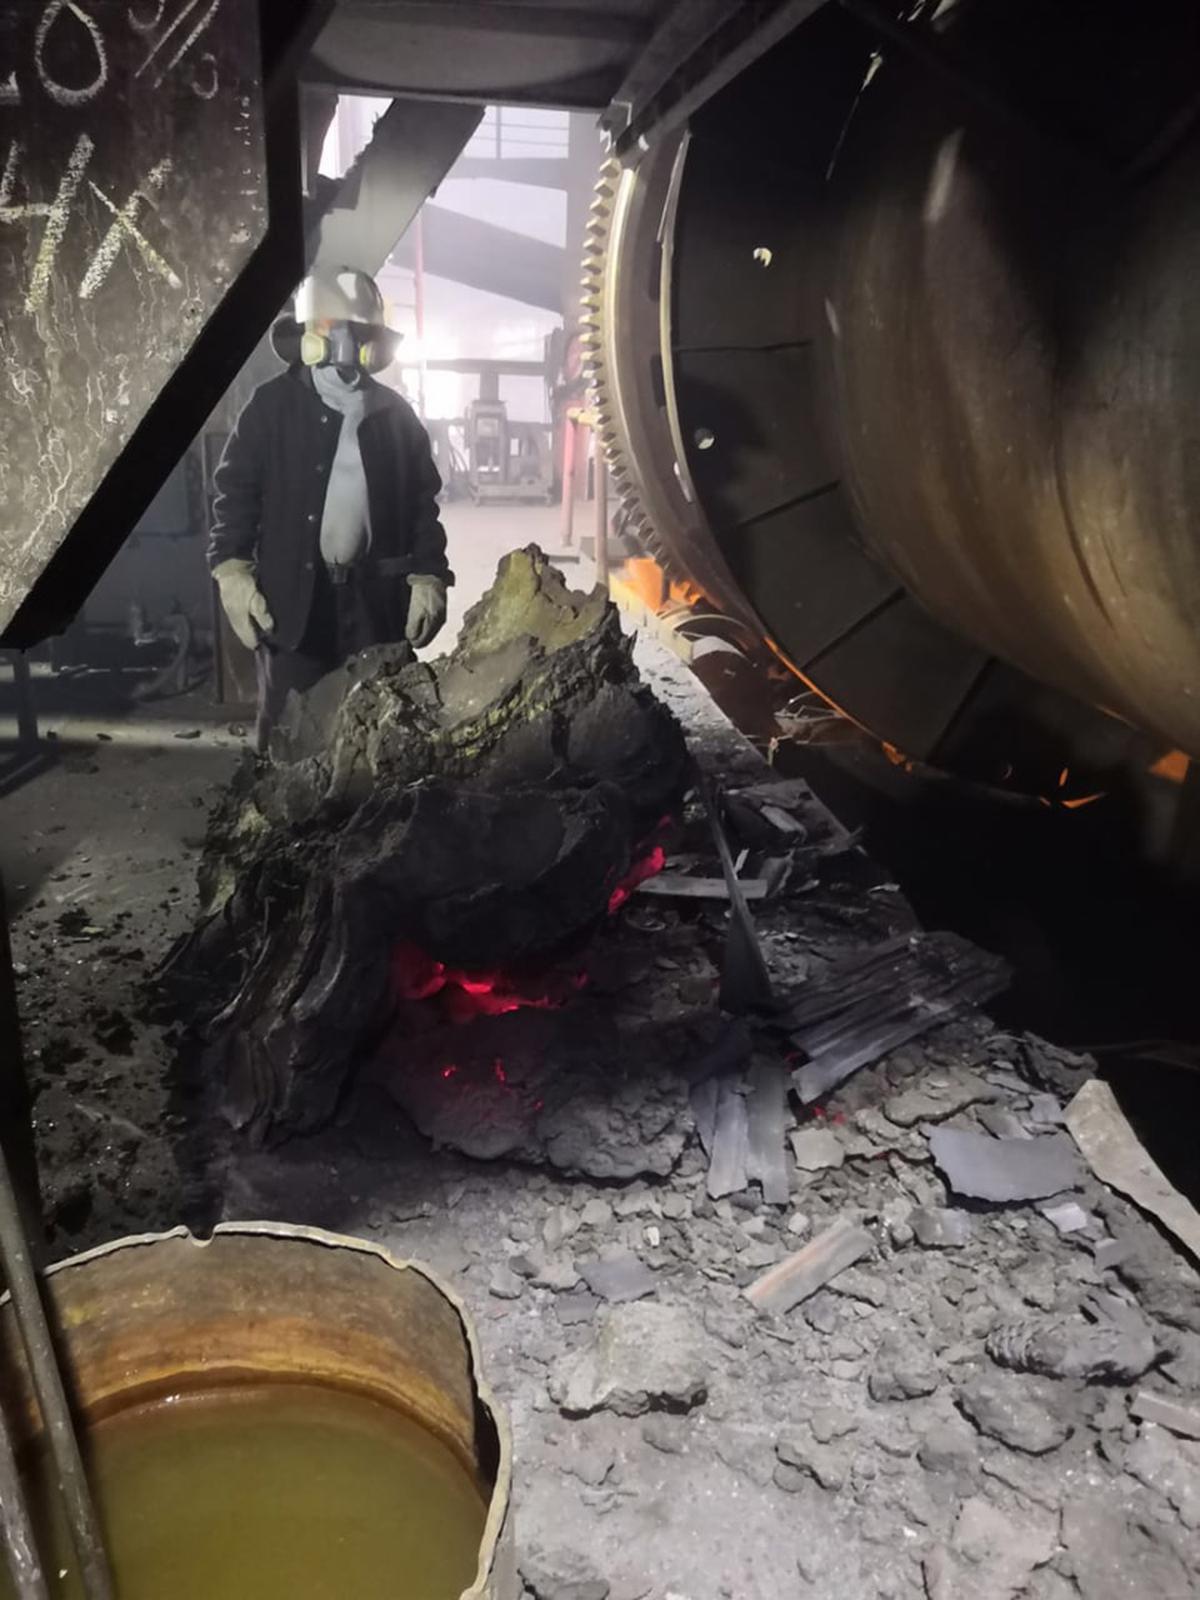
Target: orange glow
{"x": 1173, "y": 766}
{"x": 651, "y": 586}
{"x": 647, "y": 580}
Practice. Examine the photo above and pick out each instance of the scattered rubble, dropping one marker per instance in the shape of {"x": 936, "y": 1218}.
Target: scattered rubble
{"x": 942, "y": 1393}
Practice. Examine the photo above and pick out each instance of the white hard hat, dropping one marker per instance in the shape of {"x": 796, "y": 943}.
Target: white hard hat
{"x": 340, "y": 295}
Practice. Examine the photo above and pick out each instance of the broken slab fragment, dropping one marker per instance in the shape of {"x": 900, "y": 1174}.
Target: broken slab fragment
{"x": 802, "y": 1274}
{"x": 1118, "y": 1158}
{"x": 817, "y": 1149}
{"x": 561, "y": 1573}
{"x": 1166, "y": 1413}
{"x": 990, "y": 1556}
{"x": 1018, "y": 1414}
{"x": 902, "y": 1371}
{"x": 1067, "y": 1216}
{"x": 939, "y": 1228}
{"x": 949, "y": 1446}
{"x": 623, "y": 1279}
{"x": 1170, "y": 1467}
{"x": 645, "y": 1357}
{"x": 805, "y": 1458}
{"x": 1004, "y": 1170}
{"x": 505, "y": 1284}
{"x": 1001, "y": 1123}
{"x": 937, "y": 1102}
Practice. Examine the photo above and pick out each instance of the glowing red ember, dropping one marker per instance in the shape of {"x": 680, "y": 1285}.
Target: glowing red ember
{"x": 645, "y": 867}
{"x": 463, "y": 996}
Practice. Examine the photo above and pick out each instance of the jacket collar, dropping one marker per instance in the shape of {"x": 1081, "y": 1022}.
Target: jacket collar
{"x": 378, "y": 394}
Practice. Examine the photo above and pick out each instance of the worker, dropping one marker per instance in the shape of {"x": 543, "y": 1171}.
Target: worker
{"x": 326, "y": 535}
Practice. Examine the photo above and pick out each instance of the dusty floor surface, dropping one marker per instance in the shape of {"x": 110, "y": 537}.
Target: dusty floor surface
{"x": 882, "y": 1439}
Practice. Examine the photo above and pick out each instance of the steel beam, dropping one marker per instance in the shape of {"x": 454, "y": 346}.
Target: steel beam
{"x": 748, "y": 32}
{"x": 685, "y": 27}
{"x": 484, "y": 256}
{"x": 414, "y": 145}
{"x": 511, "y": 17}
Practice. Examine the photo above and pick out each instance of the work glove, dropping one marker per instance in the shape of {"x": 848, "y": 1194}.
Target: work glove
{"x": 244, "y": 602}
{"x": 426, "y": 609}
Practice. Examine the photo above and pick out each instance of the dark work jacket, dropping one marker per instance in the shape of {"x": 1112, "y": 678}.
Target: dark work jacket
{"x": 270, "y": 497}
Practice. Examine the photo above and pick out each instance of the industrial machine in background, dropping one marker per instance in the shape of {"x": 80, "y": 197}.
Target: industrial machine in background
{"x": 507, "y": 461}
{"x": 893, "y": 347}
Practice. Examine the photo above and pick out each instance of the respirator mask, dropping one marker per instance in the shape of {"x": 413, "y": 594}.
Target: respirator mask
{"x": 340, "y": 321}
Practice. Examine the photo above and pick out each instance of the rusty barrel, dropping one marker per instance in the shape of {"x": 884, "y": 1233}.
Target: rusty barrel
{"x": 165, "y": 1314}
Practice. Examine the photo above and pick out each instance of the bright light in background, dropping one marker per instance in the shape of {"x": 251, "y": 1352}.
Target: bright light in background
{"x": 520, "y": 131}
{"x": 460, "y": 320}
{"x": 351, "y": 128}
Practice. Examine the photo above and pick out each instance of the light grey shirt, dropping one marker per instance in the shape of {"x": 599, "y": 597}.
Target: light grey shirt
{"x": 346, "y": 519}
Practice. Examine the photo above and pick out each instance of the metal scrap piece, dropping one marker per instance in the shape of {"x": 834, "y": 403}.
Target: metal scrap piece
{"x": 872, "y": 1003}
{"x": 719, "y": 1107}
{"x": 1004, "y": 1170}
{"x": 766, "y": 1116}
{"x": 802, "y": 1274}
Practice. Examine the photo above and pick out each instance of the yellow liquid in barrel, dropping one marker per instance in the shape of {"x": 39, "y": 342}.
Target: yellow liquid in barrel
{"x": 278, "y": 1492}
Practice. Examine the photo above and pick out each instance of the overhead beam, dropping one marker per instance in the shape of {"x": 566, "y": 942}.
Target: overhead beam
{"x": 413, "y": 146}
{"x": 748, "y": 32}
{"x": 501, "y": 17}
{"x": 484, "y": 256}
{"x": 685, "y": 27}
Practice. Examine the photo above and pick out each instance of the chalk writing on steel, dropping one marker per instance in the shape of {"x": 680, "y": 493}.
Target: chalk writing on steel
{"x": 56, "y": 214}
{"x": 144, "y": 24}
{"x": 132, "y": 195}
{"x": 182, "y": 42}
{"x": 125, "y": 231}
{"x": 61, "y": 93}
